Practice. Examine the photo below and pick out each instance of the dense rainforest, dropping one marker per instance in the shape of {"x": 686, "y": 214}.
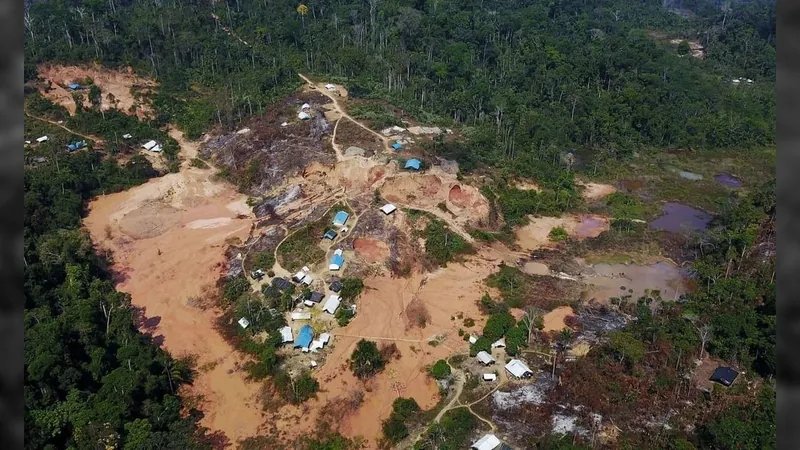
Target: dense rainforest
{"x": 524, "y": 81}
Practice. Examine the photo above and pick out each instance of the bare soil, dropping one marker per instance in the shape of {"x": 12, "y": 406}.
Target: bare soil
{"x": 554, "y": 320}
{"x": 595, "y": 191}
{"x": 371, "y": 250}
{"x": 535, "y": 234}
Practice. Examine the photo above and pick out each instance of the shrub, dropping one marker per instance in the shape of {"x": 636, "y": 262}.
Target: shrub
{"x": 295, "y": 390}
{"x": 558, "y": 234}
{"x": 394, "y": 429}
{"x": 351, "y": 288}
{"x": 482, "y": 344}
{"x": 440, "y": 370}
{"x": 366, "y": 359}
{"x": 497, "y": 326}
{"x": 343, "y": 316}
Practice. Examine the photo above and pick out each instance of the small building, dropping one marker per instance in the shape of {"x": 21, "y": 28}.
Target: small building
{"x": 257, "y": 274}
{"x": 484, "y": 358}
{"x": 301, "y": 316}
{"x": 332, "y": 304}
{"x": 500, "y": 343}
{"x": 74, "y": 86}
{"x": 149, "y": 145}
{"x": 307, "y": 280}
{"x": 244, "y": 323}
{"x": 156, "y": 149}
{"x": 337, "y": 261}
{"x": 126, "y": 136}
{"x": 325, "y": 337}
{"x": 298, "y": 276}
{"x": 41, "y": 139}
{"x": 413, "y": 164}
{"x": 336, "y": 285}
{"x": 316, "y": 297}
{"x": 388, "y": 208}
{"x": 281, "y": 283}
{"x": 724, "y": 375}
{"x": 286, "y": 334}
{"x": 76, "y": 145}
{"x": 340, "y": 218}
{"x": 397, "y": 146}
{"x": 302, "y": 115}
{"x": 305, "y": 106}
{"x": 313, "y": 364}
{"x": 330, "y": 234}
{"x": 40, "y": 159}
{"x": 487, "y": 442}
{"x": 315, "y": 345}
{"x": 473, "y": 339}
{"x": 308, "y": 303}
{"x": 330, "y": 87}
{"x": 519, "y": 369}
{"x": 304, "y": 337}
{"x": 489, "y": 377}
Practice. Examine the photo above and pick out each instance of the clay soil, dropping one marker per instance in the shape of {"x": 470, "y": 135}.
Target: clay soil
{"x": 535, "y": 234}
{"x": 595, "y": 191}
{"x": 117, "y": 83}
{"x": 168, "y": 238}
{"x": 554, "y": 320}
{"x": 371, "y": 250}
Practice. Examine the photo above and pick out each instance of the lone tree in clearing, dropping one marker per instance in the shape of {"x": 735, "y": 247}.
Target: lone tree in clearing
{"x": 366, "y": 360}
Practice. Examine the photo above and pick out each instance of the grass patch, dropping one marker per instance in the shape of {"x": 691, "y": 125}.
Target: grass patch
{"x": 379, "y": 116}
{"x": 302, "y": 247}
{"x": 259, "y": 260}
{"x": 442, "y": 245}
{"x": 519, "y": 290}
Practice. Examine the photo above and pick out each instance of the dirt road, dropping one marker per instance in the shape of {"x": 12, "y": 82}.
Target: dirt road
{"x": 96, "y": 139}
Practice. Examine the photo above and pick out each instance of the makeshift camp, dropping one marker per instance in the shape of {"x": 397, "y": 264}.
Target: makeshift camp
{"x": 388, "y": 208}
{"x": 325, "y": 337}
{"x": 315, "y": 345}
{"x": 316, "y": 297}
{"x": 519, "y": 369}
{"x": 332, "y": 304}
{"x": 484, "y": 358}
{"x": 41, "y": 139}
{"x": 304, "y": 337}
{"x": 340, "y": 218}
{"x": 76, "y": 145}
{"x": 308, "y": 303}
{"x": 126, "y": 136}
{"x": 303, "y": 115}
{"x": 330, "y": 87}
{"x": 307, "y": 280}
{"x": 487, "y": 442}
{"x": 413, "y": 164}
{"x": 298, "y": 276}
{"x": 336, "y": 285}
{"x": 74, "y": 86}
{"x": 305, "y": 106}
{"x": 156, "y": 149}
{"x": 149, "y": 145}
{"x": 724, "y": 375}
{"x": 473, "y": 339}
{"x": 281, "y": 283}
{"x": 500, "y": 343}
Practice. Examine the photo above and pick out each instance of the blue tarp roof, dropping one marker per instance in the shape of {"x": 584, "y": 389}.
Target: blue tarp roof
{"x": 76, "y": 145}
{"x": 397, "y": 146}
{"x": 338, "y": 260}
{"x": 74, "y": 86}
{"x": 330, "y": 234}
{"x": 304, "y": 337}
{"x": 340, "y": 218}
{"x": 413, "y": 164}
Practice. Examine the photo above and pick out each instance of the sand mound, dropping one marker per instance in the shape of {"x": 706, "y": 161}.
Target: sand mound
{"x": 554, "y": 320}
{"x": 372, "y": 250}
{"x": 150, "y": 220}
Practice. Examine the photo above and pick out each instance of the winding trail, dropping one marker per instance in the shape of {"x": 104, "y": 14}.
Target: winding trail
{"x": 96, "y": 139}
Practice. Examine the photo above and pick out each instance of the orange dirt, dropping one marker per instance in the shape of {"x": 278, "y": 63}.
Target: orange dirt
{"x": 536, "y": 233}
{"x": 372, "y": 250}
{"x": 382, "y": 314}
{"x": 116, "y": 83}
{"x": 554, "y": 320}
{"x": 460, "y": 197}
{"x": 168, "y": 237}
{"x": 594, "y": 191}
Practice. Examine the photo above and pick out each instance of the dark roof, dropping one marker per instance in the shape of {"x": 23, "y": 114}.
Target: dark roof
{"x": 724, "y": 375}
{"x": 330, "y": 234}
{"x": 316, "y": 297}
{"x": 281, "y": 283}
{"x": 336, "y": 286}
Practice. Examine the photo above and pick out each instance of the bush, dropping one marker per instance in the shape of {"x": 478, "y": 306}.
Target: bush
{"x": 394, "y": 429}
{"x": 558, "y": 234}
{"x": 234, "y": 288}
{"x": 515, "y": 338}
{"x": 497, "y": 326}
{"x": 405, "y": 408}
{"x": 442, "y": 245}
{"x": 351, "y": 288}
{"x": 366, "y": 359}
{"x": 295, "y": 390}
{"x": 440, "y": 370}
{"x": 482, "y": 344}
{"x": 343, "y": 316}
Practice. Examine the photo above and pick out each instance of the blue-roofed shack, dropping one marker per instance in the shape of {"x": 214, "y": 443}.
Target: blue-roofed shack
{"x": 336, "y": 262}
{"x": 304, "y": 337}
{"x": 340, "y": 218}
{"x": 397, "y": 146}
{"x": 330, "y": 234}
{"x": 76, "y": 145}
{"x": 74, "y": 86}
{"x": 413, "y": 164}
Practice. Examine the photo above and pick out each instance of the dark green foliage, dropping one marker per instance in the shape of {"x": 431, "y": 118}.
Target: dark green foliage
{"x": 264, "y": 260}
{"x": 482, "y": 344}
{"x": 234, "y": 288}
{"x": 511, "y": 283}
{"x": 517, "y": 204}
{"x": 623, "y": 206}
{"x": 39, "y": 106}
{"x": 558, "y": 234}
{"x": 627, "y": 346}
{"x": 351, "y": 288}
{"x": 497, "y": 325}
{"x": 343, "y": 315}
{"x": 489, "y": 306}
{"x": 295, "y": 390}
{"x": 394, "y": 429}
{"x": 440, "y": 370}
{"x": 404, "y": 410}
{"x": 378, "y": 116}
{"x": 747, "y": 426}
{"x": 516, "y": 338}
{"x": 453, "y": 432}
{"x": 441, "y": 244}
{"x": 366, "y": 359}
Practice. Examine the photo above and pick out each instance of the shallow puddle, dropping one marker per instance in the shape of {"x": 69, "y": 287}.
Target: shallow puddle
{"x": 678, "y": 218}
{"x": 728, "y": 180}
{"x": 616, "y": 280}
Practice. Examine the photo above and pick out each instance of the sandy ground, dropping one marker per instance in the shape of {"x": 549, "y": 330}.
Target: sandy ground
{"x": 116, "y": 83}
{"x": 381, "y": 316}
{"x": 168, "y": 237}
{"x": 554, "y": 320}
{"x": 534, "y": 235}
{"x": 594, "y": 191}
{"x": 371, "y": 250}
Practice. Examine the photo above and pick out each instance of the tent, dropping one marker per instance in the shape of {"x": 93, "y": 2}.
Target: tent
{"x": 315, "y": 345}
{"x": 301, "y": 316}
{"x": 724, "y": 375}
{"x": 500, "y": 343}
{"x": 298, "y": 276}
{"x": 325, "y": 337}
{"x": 473, "y": 339}
{"x": 74, "y": 86}
{"x": 316, "y": 297}
{"x": 340, "y": 218}
{"x": 41, "y": 139}
{"x": 337, "y": 261}
{"x": 487, "y": 442}
{"x": 303, "y": 115}
{"x": 307, "y": 280}
{"x": 304, "y": 337}
{"x": 489, "y": 377}
{"x": 388, "y": 208}
{"x": 484, "y": 358}
{"x": 397, "y": 146}
{"x": 286, "y": 334}
{"x": 305, "y": 106}
{"x": 281, "y": 283}
{"x": 308, "y": 303}
{"x": 76, "y": 145}
{"x": 336, "y": 285}
{"x": 332, "y": 304}
{"x": 413, "y": 164}
{"x": 519, "y": 369}
{"x": 330, "y": 87}
{"x": 244, "y": 322}
{"x": 149, "y": 145}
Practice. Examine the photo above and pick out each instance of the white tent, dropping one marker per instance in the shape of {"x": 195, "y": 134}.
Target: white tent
{"x": 309, "y": 303}
{"x": 484, "y": 358}
{"x": 518, "y": 368}
{"x": 156, "y": 149}
{"x": 315, "y": 345}
{"x": 126, "y": 136}
{"x": 313, "y": 363}
{"x": 489, "y": 377}
{"x": 332, "y": 304}
{"x": 487, "y": 442}
{"x": 298, "y": 276}
{"x": 301, "y": 316}
{"x": 41, "y": 139}
{"x": 307, "y": 280}
{"x": 305, "y": 106}
{"x": 149, "y": 145}
{"x": 325, "y": 337}
{"x": 243, "y": 131}
{"x": 388, "y": 208}
{"x": 286, "y": 334}
{"x": 244, "y": 322}
{"x": 303, "y": 115}
{"x": 330, "y": 87}
{"x": 473, "y": 339}
{"x": 500, "y": 343}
